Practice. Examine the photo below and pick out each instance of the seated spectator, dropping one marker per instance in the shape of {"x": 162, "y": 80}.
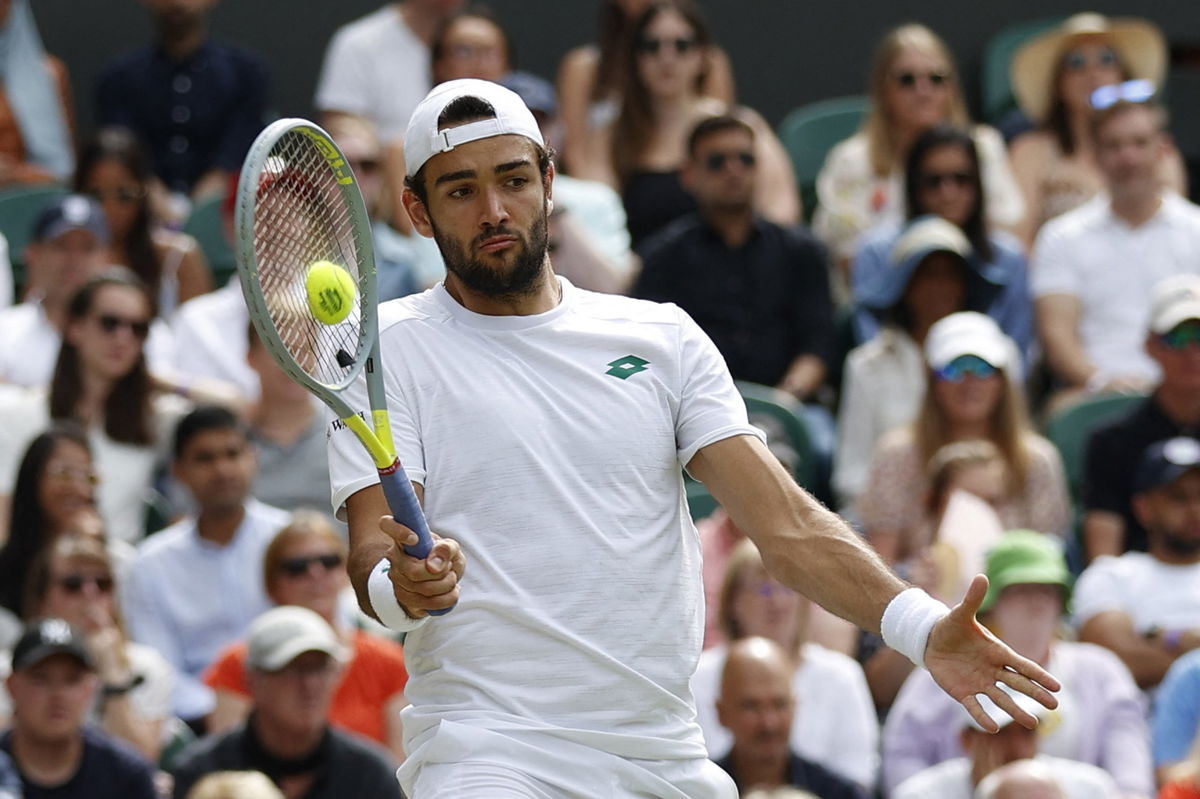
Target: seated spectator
{"x": 53, "y": 687}
{"x": 378, "y": 66}
{"x": 759, "y": 290}
{"x": 235, "y": 785}
{"x": 1053, "y": 77}
{"x": 1176, "y": 721}
{"x": 113, "y": 168}
{"x": 914, "y": 86}
{"x": 471, "y": 43}
{"x": 102, "y": 381}
{"x": 294, "y": 661}
{"x": 1100, "y": 718}
{"x": 662, "y": 100}
{"x": 942, "y": 177}
{"x": 1145, "y": 606}
{"x": 304, "y": 566}
{"x": 74, "y": 580}
{"x": 958, "y": 777}
{"x": 217, "y": 551}
{"x": 884, "y": 379}
{"x": 756, "y": 704}
{"x": 195, "y": 102}
{"x": 834, "y": 724}
{"x": 210, "y": 341}
{"x": 591, "y": 77}
{"x": 1094, "y": 268}
{"x": 1172, "y": 340}
{"x": 36, "y": 111}
{"x": 1021, "y": 779}
{"x": 972, "y": 393}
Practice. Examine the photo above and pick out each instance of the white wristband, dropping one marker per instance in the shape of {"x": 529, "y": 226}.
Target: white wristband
{"x": 908, "y": 620}
{"x": 382, "y": 594}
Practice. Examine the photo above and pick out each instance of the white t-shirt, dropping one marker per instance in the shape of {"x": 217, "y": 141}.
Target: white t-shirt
{"x": 376, "y": 67}
{"x": 550, "y": 446}
{"x": 951, "y": 779}
{"x": 1150, "y": 592}
{"x": 835, "y": 723}
{"x": 1094, "y": 255}
{"x": 211, "y": 338}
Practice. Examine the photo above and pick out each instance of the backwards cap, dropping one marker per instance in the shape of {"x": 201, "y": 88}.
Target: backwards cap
{"x": 423, "y": 140}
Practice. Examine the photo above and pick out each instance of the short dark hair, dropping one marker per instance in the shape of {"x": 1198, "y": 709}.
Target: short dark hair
{"x": 718, "y": 124}
{"x": 202, "y": 420}
{"x": 459, "y": 112}
{"x": 1103, "y": 116}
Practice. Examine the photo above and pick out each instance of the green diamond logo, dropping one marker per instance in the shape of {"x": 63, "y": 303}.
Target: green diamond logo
{"x": 626, "y": 366}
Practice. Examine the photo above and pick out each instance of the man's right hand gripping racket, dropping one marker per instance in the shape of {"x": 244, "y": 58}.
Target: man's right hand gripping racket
{"x": 307, "y": 265}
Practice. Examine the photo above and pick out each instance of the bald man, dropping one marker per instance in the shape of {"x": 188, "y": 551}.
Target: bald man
{"x": 1023, "y": 779}
{"x": 757, "y": 705}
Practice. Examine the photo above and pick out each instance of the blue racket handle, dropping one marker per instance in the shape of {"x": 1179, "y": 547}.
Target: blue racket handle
{"x": 402, "y": 501}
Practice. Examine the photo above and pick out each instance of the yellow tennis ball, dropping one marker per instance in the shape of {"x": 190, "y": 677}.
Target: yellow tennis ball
{"x": 331, "y": 291}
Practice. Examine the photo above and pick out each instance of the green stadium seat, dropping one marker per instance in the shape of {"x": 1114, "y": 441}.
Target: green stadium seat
{"x": 700, "y": 502}
{"x": 207, "y": 225}
{"x": 810, "y": 132}
{"x": 783, "y": 414}
{"x": 998, "y": 100}
{"x": 1070, "y": 428}
{"x": 19, "y": 207}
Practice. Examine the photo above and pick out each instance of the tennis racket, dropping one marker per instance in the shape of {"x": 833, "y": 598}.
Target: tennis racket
{"x": 298, "y": 203}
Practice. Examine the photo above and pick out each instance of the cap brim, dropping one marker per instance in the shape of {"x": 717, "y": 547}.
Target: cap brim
{"x": 1175, "y": 316}
{"x": 1041, "y": 574}
{"x": 889, "y": 285}
{"x": 39, "y": 653}
{"x": 296, "y": 647}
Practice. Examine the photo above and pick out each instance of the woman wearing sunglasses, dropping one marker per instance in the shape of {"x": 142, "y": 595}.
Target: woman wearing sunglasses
{"x": 914, "y": 86}
{"x": 113, "y": 169}
{"x": 1053, "y": 77}
{"x": 305, "y": 565}
{"x": 661, "y": 102}
{"x": 971, "y": 394}
{"x": 74, "y": 579}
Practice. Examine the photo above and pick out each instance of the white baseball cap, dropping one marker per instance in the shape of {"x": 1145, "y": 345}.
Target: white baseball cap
{"x": 423, "y": 140}
{"x": 282, "y": 634}
{"x": 967, "y": 333}
{"x": 1175, "y": 299}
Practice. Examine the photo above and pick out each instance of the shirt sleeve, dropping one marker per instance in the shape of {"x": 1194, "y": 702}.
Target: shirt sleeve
{"x": 1052, "y": 266}
{"x": 1177, "y": 711}
{"x": 344, "y": 77}
{"x": 1098, "y": 590}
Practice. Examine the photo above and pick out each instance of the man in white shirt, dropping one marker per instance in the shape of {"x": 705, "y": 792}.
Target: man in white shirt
{"x": 544, "y": 428}
{"x": 195, "y": 586}
{"x": 378, "y": 66}
{"x": 1093, "y": 268}
{"x": 1145, "y": 606}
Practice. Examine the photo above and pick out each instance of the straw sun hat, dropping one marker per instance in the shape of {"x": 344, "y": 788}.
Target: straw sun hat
{"x": 1140, "y": 45}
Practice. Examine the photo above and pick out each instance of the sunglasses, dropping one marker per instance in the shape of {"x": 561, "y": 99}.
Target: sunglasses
{"x": 651, "y": 46}
{"x": 1078, "y": 60}
{"x": 715, "y": 162}
{"x": 1131, "y": 91}
{"x": 66, "y": 474}
{"x": 298, "y": 567}
{"x": 1182, "y": 336}
{"x": 909, "y": 80}
{"x": 965, "y": 366}
{"x": 111, "y": 323}
{"x": 364, "y": 165}
{"x": 127, "y": 195}
{"x": 934, "y": 180}
{"x": 74, "y": 583}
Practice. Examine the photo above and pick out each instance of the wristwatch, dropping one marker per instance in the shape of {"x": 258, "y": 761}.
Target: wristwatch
{"x": 125, "y": 687}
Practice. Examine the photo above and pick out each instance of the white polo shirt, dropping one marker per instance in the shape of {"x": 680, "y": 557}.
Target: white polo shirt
{"x": 1093, "y": 254}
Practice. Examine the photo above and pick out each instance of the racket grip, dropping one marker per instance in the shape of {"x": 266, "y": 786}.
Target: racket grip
{"x": 402, "y": 501}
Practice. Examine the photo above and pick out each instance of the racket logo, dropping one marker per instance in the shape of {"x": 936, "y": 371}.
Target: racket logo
{"x": 333, "y": 157}
{"x": 331, "y": 301}
{"x": 627, "y": 366}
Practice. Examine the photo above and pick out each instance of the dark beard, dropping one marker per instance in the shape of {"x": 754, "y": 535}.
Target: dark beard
{"x": 488, "y": 281}
{"x": 1183, "y": 546}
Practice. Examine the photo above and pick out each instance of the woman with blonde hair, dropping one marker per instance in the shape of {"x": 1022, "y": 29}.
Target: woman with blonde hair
{"x": 914, "y": 86}
{"x": 835, "y": 722}
{"x": 972, "y": 393}
{"x": 235, "y": 785}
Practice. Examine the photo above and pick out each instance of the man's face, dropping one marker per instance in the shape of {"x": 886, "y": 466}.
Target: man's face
{"x": 51, "y": 699}
{"x": 1129, "y": 149}
{"x": 366, "y": 159}
{"x": 60, "y": 265}
{"x": 1171, "y": 514}
{"x": 757, "y": 707}
{"x": 297, "y": 696}
{"x": 722, "y": 172}
{"x": 217, "y": 466}
{"x": 487, "y": 209}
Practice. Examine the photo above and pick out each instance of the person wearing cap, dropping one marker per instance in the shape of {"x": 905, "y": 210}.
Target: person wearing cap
{"x": 1053, "y": 76}
{"x": 958, "y": 777}
{"x": 566, "y": 664}
{"x": 53, "y": 687}
{"x": 1021, "y": 779}
{"x": 294, "y": 659}
{"x": 1172, "y": 409}
{"x": 759, "y": 290}
{"x": 1101, "y": 719}
{"x": 1094, "y": 269}
{"x": 1145, "y": 606}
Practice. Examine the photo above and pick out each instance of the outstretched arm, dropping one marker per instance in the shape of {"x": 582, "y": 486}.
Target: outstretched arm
{"x": 809, "y": 548}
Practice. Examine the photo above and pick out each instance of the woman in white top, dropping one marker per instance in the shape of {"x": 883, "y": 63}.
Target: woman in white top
{"x": 914, "y": 86}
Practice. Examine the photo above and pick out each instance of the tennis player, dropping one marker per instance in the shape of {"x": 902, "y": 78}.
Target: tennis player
{"x": 544, "y": 427}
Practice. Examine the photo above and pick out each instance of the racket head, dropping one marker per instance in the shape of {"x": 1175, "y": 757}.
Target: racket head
{"x": 298, "y": 202}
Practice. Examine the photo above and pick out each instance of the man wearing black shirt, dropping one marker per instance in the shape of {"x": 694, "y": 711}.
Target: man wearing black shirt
{"x": 1173, "y": 341}
{"x": 760, "y": 291}
{"x": 53, "y": 686}
{"x": 293, "y": 659}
